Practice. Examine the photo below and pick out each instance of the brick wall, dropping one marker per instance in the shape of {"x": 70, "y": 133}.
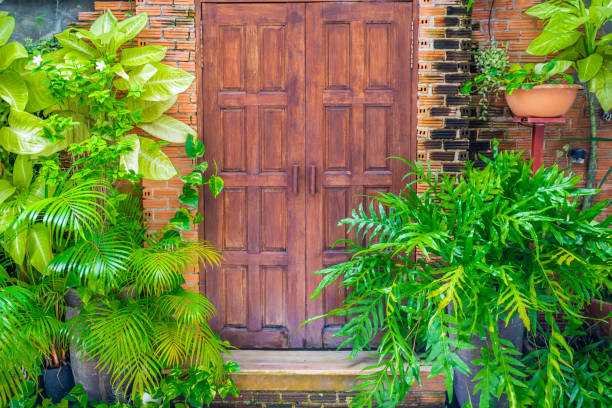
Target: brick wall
{"x": 447, "y": 132}
{"x": 443, "y": 64}
{"x": 509, "y": 25}
{"x": 171, "y": 24}
{"x": 312, "y": 399}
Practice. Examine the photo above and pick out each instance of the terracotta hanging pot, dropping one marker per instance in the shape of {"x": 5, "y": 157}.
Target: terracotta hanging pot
{"x": 542, "y": 101}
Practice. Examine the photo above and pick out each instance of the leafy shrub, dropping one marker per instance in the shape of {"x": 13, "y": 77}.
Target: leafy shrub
{"x": 499, "y": 242}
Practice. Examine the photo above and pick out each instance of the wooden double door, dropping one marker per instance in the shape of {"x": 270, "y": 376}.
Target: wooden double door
{"x": 303, "y": 104}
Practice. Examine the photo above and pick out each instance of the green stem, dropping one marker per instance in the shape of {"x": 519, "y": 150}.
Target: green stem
{"x": 592, "y": 168}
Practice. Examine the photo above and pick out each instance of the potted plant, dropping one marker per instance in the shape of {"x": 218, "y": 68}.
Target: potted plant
{"x": 602, "y": 311}
{"x": 497, "y": 245}
{"x": 575, "y": 32}
{"x": 66, "y": 142}
{"x": 531, "y": 90}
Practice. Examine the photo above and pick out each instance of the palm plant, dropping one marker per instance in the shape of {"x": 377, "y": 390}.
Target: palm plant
{"x": 143, "y": 321}
{"x": 37, "y": 221}
{"x": 500, "y": 242}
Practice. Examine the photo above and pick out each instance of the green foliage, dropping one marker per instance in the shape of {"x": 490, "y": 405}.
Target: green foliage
{"x": 497, "y": 243}
{"x": 497, "y": 74}
{"x": 69, "y": 132}
{"x": 42, "y": 46}
{"x": 195, "y": 387}
{"x": 575, "y": 31}
{"x": 179, "y": 388}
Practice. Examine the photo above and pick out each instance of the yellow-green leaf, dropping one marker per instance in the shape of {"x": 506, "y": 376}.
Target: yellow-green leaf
{"x": 153, "y": 164}
{"x": 23, "y": 171}
{"x": 6, "y": 190}
{"x": 133, "y": 57}
{"x": 169, "y": 129}
{"x": 7, "y": 25}
{"x": 13, "y": 90}
{"x": 39, "y": 247}
{"x": 11, "y": 52}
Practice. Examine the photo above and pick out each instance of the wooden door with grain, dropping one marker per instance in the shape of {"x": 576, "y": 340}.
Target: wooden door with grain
{"x": 358, "y": 110}
{"x": 253, "y": 101}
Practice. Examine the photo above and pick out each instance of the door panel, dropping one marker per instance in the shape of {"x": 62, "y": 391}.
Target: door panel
{"x": 254, "y": 128}
{"x": 358, "y": 110}
{"x": 303, "y": 104}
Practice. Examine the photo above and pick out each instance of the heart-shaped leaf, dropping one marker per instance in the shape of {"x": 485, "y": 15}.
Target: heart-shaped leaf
{"x": 194, "y": 147}
{"x": 215, "y": 184}
{"x": 182, "y": 219}
{"x": 190, "y": 196}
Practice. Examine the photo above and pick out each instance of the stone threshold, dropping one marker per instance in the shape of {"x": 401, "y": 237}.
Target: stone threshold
{"x": 308, "y": 370}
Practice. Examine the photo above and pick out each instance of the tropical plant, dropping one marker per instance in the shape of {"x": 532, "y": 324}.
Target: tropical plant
{"x": 179, "y": 388}
{"x": 63, "y": 224}
{"x": 497, "y": 74}
{"x": 499, "y": 242}
{"x": 194, "y": 387}
{"x": 575, "y": 32}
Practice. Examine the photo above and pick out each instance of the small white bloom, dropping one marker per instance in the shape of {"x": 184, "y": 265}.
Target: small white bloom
{"x": 37, "y": 60}
{"x": 100, "y": 65}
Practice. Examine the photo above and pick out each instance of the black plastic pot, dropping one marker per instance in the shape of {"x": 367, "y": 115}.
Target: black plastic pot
{"x": 95, "y": 382}
{"x": 464, "y": 384}
{"x": 58, "y": 382}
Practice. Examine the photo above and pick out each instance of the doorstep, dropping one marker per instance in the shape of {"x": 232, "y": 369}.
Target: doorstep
{"x": 306, "y": 370}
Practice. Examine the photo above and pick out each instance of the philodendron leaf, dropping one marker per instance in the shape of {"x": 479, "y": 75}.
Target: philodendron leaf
{"x": 195, "y": 178}
{"x": 589, "y": 67}
{"x": 13, "y": 90}
{"x": 182, "y": 219}
{"x": 137, "y": 78}
{"x": 16, "y": 246}
{"x": 167, "y": 82}
{"x": 6, "y": 190}
{"x": 72, "y": 42}
{"x": 39, "y": 247}
{"x": 7, "y": 25}
{"x": 167, "y": 128}
{"x": 133, "y": 57}
{"x": 194, "y": 147}
{"x": 215, "y": 184}
{"x": 150, "y": 110}
{"x": 153, "y": 164}
{"x": 190, "y": 196}
{"x": 23, "y": 171}
{"x": 549, "y": 43}
{"x": 133, "y": 25}
{"x": 104, "y": 24}
{"x": 24, "y": 135}
{"x": 39, "y": 97}
{"x": 11, "y": 52}
{"x": 130, "y": 160}
{"x": 604, "y": 92}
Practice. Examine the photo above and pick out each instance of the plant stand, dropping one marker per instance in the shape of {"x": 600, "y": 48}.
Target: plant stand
{"x": 537, "y": 137}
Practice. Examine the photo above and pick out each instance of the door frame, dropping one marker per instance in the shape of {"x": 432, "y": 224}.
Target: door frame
{"x": 413, "y": 97}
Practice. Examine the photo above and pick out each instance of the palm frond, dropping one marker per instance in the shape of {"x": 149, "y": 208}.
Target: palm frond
{"x": 156, "y": 269}
{"x": 74, "y": 211}
{"x": 17, "y": 353}
{"x": 98, "y": 257}
{"x": 121, "y": 337}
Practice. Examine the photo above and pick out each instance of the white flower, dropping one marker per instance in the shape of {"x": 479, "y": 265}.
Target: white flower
{"x": 37, "y": 60}
{"x": 100, "y": 65}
